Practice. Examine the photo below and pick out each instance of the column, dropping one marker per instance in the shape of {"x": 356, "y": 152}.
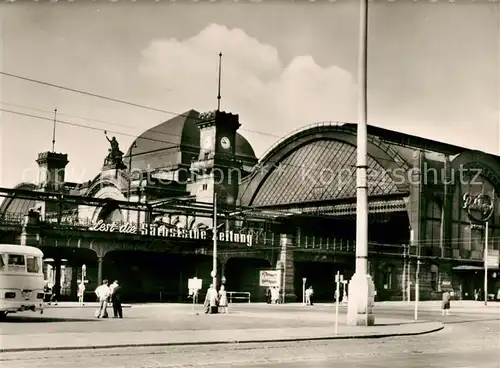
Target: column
{"x": 74, "y": 281}
{"x": 286, "y": 264}
{"x": 99, "y": 270}
{"x": 447, "y": 208}
{"x": 57, "y": 285}
{"x": 30, "y": 234}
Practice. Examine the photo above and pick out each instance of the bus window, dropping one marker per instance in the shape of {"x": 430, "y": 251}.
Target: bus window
{"x": 16, "y": 262}
{"x": 2, "y": 263}
{"x": 33, "y": 264}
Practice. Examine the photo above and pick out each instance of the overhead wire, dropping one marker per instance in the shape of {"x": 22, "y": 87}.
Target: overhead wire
{"x": 175, "y": 143}
{"x": 53, "y": 85}
{"x": 133, "y": 104}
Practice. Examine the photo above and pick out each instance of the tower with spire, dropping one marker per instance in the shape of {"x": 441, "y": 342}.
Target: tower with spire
{"x": 216, "y": 170}
{"x": 51, "y": 173}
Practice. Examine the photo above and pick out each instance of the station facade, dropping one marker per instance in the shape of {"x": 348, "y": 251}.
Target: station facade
{"x": 147, "y": 217}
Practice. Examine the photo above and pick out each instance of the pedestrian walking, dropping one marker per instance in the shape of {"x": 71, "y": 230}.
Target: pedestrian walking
{"x": 80, "y": 292}
{"x": 116, "y": 299}
{"x": 211, "y": 300}
{"x": 445, "y": 305}
{"x": 223, "y": 303}
{"x": 103, "y": 293}
{"x": 268, "y": 296}
{"x": 309, "y": 294}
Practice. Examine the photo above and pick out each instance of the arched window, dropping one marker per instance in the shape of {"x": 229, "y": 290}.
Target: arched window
{"x": 434, "y": 278}
{"x": 110, "y": 213}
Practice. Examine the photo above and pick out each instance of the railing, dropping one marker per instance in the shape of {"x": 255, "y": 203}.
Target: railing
{"x": 12, "y": 219}
{"x": 311, "y": 242}
{"x": 239, "y": 295}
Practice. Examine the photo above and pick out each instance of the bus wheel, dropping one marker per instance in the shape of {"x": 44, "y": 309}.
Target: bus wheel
{"x": 3, "y": 316}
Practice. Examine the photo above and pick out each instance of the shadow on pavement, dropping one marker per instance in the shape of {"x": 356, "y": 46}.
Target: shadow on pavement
{"x": 472, "y": 321}
{"x": 411, "y": 322}
{"x": 26, "y": 319}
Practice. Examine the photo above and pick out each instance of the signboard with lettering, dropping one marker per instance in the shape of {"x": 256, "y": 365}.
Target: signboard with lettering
{"x": 171, "y": 232}
{"x": 480, "y": 207}
{"x": 194, "y": 283}
{"x": 270, "y": 278}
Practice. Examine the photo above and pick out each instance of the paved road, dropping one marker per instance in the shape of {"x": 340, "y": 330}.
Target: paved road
{"x": 468, "y": 340}
{"x": 459, "y": 345}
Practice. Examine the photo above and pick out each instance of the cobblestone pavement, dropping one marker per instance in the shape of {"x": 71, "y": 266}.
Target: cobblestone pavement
{"x": 461, "y": 344}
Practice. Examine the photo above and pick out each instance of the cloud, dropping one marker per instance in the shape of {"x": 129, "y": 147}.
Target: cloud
{"x": 269, "y": 96}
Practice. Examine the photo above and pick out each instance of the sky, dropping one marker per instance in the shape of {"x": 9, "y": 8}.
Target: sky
{"x": 433, "y": 71}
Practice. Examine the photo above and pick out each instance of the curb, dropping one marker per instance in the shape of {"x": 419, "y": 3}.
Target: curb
{"x": 439, "y": 327}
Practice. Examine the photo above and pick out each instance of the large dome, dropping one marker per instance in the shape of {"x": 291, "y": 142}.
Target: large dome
{"x": 175, "y": 143}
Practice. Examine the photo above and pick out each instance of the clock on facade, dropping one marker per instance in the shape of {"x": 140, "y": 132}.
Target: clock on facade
{"x": 225, "y": 142}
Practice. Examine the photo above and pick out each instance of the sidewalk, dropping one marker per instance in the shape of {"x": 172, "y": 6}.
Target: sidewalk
{"x": 169, "y": 325}
{"x": 466, "y": 306}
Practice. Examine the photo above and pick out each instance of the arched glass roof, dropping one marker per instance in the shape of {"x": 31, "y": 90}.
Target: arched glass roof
{"x": 319, "y": 171}
{"x": 12, "y": 206}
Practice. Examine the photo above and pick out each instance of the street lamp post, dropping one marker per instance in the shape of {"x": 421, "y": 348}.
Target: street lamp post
{"x": 214, "y": 238}
{"x": 360, "y": 303}
{"x": 304, "y": 279}
{"x": 481, "y": 208}
{"x": 84, "y": 271}
{"x": 485, "y": 257}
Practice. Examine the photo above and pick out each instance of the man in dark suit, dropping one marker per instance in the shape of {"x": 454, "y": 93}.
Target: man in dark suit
{"x": 116, "y": 299}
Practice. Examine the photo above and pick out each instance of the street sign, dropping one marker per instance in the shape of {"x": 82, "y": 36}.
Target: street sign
{"x": 194, "y": 283}
{"x": 270, "y": 278}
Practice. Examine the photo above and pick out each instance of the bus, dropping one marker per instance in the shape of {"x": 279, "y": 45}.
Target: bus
{"x": 21, "y": 279}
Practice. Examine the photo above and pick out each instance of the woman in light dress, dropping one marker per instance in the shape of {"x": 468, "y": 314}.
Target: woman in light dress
{"x": 223, "y": 299}
{"x": 275, "y": 295}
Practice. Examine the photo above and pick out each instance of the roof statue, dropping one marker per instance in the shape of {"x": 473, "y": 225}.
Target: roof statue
{"x": 115, "y": 156}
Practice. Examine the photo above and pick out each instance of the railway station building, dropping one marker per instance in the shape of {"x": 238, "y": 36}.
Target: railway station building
{"x": 146, "y": 219}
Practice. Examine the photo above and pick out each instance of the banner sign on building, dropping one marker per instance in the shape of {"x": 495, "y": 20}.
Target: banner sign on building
{"x": 479, "y": 207}
{"x": 493, "y": 258}
{"x": 171, "y": 232}
{"x": 270, "y": 278}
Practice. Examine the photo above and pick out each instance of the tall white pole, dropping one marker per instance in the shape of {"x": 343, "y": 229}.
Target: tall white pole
{"x": 361, "y": 288}
{"x": 417, "y": 288}
{"x": 337, "y": 294}
{"x": 485, "y": 257}
{"x": 417, "y": 276}
{"x": 214, "y": 259}
{"x": 304, "y": 290}
{"x": 362, "y": 142}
